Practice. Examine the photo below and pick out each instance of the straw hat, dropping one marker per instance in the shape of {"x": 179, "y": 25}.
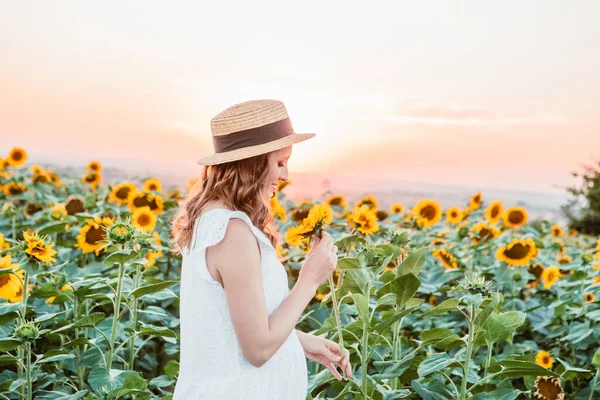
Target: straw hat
{"x": 251, "y": 128}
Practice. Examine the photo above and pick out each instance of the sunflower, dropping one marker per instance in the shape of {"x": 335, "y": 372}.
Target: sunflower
{"x": 63, "y": 288}
{"x": 548, "y": 388}
{"x": 368, "y": 200}
{"x": 493, "y": 212}
{"x": 37, "y": 247}
{"x": 447, "y": 259}
{"x": 54, "y": 178}
{"x": 596, "y": 280}
{"x": 74, "y": 205}
{"x": 144, "y": 219}
{"x": 92, "y": 236}
{"x": 3, "y": 243}
{"x": 381, "y": 215}
{"x": 364, "y": 220}
{"x": 39, "y": 175}
{"x": 429, "y": 212}
{"x": 154, "y": 255}
{"x": 299, "y": 214}
{"x": 454, "y": 215}
{"x": 517, "y": 253}
{"x": 32, "y": 208}
{"x": 437, "y": 242}
{"x": 337, "y": 201}
{"x": 59, "y": 211}
{"x": 14, "y": 188}
{"x": 321, "y": 296}
{"x": 536, "y": 270}
{"x": 281, "y": 252}
{"x": 295, "y": 235}
{"x": 11, "y": 286}
{"x": 564, "y": 259}
{"x": 282, "y": 184}
{"x": 482, "y": 232}
{"x": 432, "y": 300}
{"x": 277, "y": 209}
{"x": 589, "y": 298}
{"x": 17, "y": 157}
{"x": 515, "y": 217}
{"x": 94, "y": 166}
{"x": 92, "y": 178}
{"x": 152, "y": 185}
{"x": 550, "y": 275}
{"x": 142, "y": 199}
{"x": 544, "y": 359}
{"x": 120, "y": 193}
{"x": 174, "y": 194}
{"x": 475, "y": 201}
{"x": 397, "y": 208}
{"x": 556, "y": 231}
{"x": 318, "y": 217}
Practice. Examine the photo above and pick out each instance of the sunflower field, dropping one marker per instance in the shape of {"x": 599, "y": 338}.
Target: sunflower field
{"x": 472, "y": 302}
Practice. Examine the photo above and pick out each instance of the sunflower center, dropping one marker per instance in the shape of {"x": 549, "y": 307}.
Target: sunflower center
{"x": 94, "y": 235}
{"x": 74, "y": 206}
{"x": 495, "y": 211}
{"x": 144, "y": 220}
{"x": 336, "y": 201}
{"x": 141, "y": 201}
{"x": 454, "y": 214}
{"x": 551, "y": 276}
{"x": 91, "y": 178}
{"x": 546, "y": 360}
{"x": 518, "y": 251}
{"x": 428, "y": 212}
{"x": 123, "y": 193}
{"x": 17, "y": 156}
{"x": 38, "y": 249}
{"x": 152, "y": 186}
{"x": 515, "y": 217}
{"x": 4, "y": 280}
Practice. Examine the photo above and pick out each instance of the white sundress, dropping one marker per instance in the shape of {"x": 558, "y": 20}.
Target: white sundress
{"x": 212, "y": 365}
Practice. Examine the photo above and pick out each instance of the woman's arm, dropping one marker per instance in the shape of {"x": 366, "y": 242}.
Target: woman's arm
{"x": 237, "y": 259}
{"x": 325, "y": 352}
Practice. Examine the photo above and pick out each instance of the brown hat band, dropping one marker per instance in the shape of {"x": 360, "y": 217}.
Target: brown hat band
{"x": 254, "y": 136}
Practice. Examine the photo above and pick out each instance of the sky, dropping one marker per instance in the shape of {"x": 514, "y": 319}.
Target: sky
{"x": 501, "y": 94}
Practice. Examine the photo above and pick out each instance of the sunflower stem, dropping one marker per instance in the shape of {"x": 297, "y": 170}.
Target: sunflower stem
{"x": 29, "y": 380}
{"x": 134, "y": 315}
{"x": 14, "y": 227}
{"x": 593, "y": 389}
{"x": 338, "y": 320}
{"x": 117, "y": 308}
{"x": 463, "y": 388}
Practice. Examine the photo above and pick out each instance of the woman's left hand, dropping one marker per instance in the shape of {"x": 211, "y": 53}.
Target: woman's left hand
{"x": 326, "y": 352}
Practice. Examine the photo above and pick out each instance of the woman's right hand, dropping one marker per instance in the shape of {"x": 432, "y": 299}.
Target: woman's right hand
{"x": 320, "y": 262}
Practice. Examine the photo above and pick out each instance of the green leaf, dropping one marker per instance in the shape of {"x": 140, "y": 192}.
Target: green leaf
{"x": 450, "y": 304}
{"x": 6, "y": 308}
{"x": 414, "y": 262}
{"x": 88, "y": 321}
{"x": 483, "y": 315}
{"x": 8, "y": 344}
{"x": 100, "y": 377}
{"x": 570, "y": 371}
{"x": 596, "y": 359}
{"x": 362, "y": 306}
{"x": 517, "y": 369}
{"x": 172, "y": 368}
{"x": 437, "y": 334}
{"x": 502, "y": 326}
{"x": 356, "y": 281}
{"x": 404, "y": 287}
{"x": 382, "y": 326}
{"x": 8, "y": 359}
{"x": 348, "y": 263}
{"x": 167, "y": 334}
{"x": 56, "y": 395}
{"x": 120, "y": 257}
{"x": 435, "y": 363}
{"x": 134, "y": 381}
{"x": 392, "y": 369}
{"x": 153, "y": 288}
{"x": 6, "y": 271}
{"x": 53, "y": 227}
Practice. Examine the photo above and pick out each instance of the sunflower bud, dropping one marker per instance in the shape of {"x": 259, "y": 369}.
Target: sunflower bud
{"x": 120, "y": 232}
{"x": 398, "y": 237}
{"x": 26, "y": 331}
{"x": 9, "y": 209}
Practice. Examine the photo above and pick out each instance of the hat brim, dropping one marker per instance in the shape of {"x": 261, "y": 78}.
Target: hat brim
{"x": 251, "y": 151}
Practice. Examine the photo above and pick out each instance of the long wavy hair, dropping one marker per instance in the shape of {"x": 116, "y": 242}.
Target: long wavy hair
{"x": 239, "y": 185}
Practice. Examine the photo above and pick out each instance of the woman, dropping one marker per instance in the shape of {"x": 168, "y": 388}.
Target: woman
{"x": 238, "y": 316}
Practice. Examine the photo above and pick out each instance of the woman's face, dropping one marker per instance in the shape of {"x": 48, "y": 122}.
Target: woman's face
{"x": 277, "y": 169}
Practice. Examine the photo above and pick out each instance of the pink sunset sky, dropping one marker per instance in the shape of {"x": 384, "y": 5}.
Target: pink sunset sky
{"x": 498, "y": 93}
